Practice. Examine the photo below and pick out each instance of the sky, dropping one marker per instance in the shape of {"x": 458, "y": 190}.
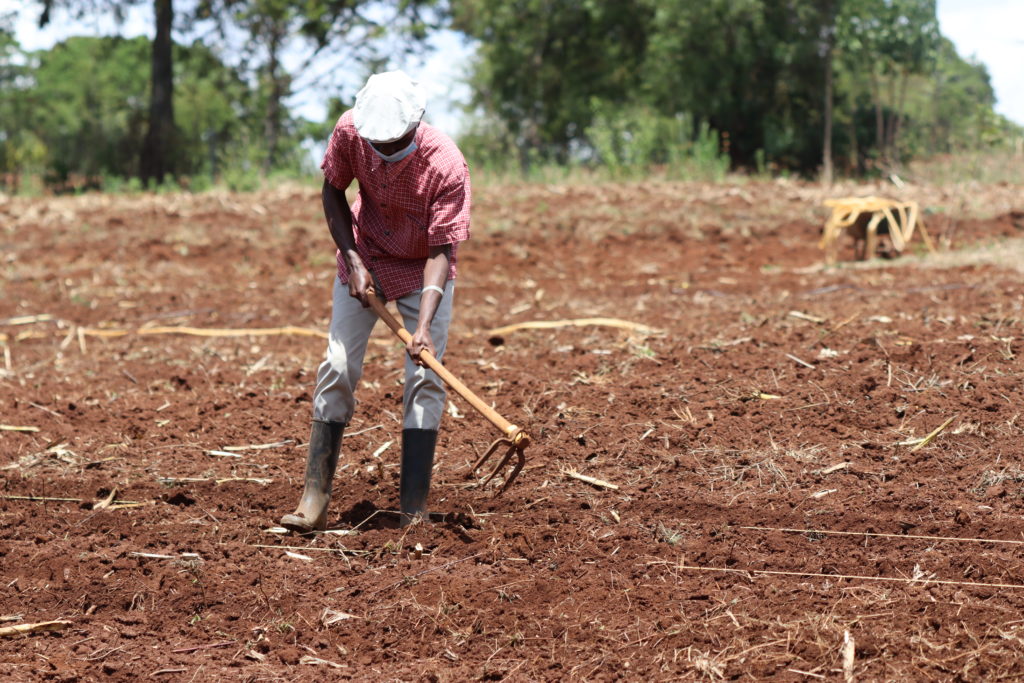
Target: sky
{"x": 989, "y": 31}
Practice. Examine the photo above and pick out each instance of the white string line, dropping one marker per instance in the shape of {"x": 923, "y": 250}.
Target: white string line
{"x": 892, "y": 579}
{"x": 884, "y": 535}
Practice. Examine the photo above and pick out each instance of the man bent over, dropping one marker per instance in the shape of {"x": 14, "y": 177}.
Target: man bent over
{"x": 399, "y": 237}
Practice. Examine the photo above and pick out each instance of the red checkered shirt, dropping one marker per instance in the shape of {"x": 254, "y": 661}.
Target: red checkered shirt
{"x": 403, "y": 208}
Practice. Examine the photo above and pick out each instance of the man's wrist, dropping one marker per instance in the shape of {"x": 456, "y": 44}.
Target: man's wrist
{"x": 352, "y": 258}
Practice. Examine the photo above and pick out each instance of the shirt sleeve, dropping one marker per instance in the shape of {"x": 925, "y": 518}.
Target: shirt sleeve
{"x": 449, "y": 212}
{"x": 337, "y": 163}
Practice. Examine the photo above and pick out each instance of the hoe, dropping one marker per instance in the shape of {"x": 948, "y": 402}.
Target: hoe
{"x": 515, "y": 440}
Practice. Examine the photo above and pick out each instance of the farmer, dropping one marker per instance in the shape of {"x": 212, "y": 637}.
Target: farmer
{"x": 399, "y": 237}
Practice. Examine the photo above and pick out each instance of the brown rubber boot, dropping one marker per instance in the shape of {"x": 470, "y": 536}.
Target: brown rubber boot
{"x": 324, "y": 445}
{"x": 417, "y": 465}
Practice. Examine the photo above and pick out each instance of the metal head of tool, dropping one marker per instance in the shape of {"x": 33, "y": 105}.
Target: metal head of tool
{"x": 516, "y": 444}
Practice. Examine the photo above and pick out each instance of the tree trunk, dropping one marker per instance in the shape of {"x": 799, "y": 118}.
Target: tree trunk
{"x": 897, "y": 123}
{"x": 155, "y": 163}
{"x": 826, "y": 145}
{"x": 272, "y": 121}
{"x": 854, "y": 163}
{"x": 888, "y": 125}
{"x": 876, "y": 95}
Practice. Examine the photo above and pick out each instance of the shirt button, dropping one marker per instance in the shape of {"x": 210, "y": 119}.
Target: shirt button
{"x": 384, "y": 206}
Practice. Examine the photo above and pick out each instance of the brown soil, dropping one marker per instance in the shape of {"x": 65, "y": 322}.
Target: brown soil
{"x": 778, "y": 395}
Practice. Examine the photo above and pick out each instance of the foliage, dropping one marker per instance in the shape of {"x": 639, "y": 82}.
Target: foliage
{"x": 884, "y": 43}
{"x": 84, "y": 106}
{"x": 553, "y": 73}
{"x": 614, "y": 86}
{"x": 357, "y": 33}
{"x": 635, "y": 138}
{"x": 739, "y": 66}
{"x": 542, "y": 63}
{"x": 19, "y": 147}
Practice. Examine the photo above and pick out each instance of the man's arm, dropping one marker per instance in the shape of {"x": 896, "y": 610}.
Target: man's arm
{"x": 435, "y": 273}
{"x": 339, "y": 222}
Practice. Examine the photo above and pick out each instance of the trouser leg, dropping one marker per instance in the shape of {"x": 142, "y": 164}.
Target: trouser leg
{"x": 339, "y": 373}
{"x": 333, "y": 405}
{"x": 424, "y": 402}
{"x": 424, "y": 397}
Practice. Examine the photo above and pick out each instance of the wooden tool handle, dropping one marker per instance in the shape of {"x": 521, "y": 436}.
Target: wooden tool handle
{"x": 510, "y": 430}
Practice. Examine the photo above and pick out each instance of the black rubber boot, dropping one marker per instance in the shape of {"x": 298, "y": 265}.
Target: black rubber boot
{"x": 417, "y": 464}
{"x": 324, "y": 446}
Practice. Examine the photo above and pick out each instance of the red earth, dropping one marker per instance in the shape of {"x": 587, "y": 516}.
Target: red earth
{"x": 766, "y": 488}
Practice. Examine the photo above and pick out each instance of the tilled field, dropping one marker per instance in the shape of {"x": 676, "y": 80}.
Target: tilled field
{"x": 790, "y": 457}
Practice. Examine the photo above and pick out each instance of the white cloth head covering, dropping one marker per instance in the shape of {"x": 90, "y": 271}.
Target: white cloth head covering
{"x": 388, "y": 106}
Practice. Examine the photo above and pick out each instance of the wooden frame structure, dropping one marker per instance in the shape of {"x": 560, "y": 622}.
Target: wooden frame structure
{"x": 862, "y": 217}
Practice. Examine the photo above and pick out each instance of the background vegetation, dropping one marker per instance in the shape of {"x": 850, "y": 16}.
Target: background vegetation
{"x": 623, "y": 86}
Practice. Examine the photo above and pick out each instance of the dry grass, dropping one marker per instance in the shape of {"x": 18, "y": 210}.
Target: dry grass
{"x": 998, "y": 477}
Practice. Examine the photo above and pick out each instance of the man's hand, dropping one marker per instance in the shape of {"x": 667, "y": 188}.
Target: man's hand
{"x": 359, "y": 278}
{"x": 420, "y": 341}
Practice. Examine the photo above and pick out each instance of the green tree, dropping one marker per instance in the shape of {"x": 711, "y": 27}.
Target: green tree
{"x": 84, "y": 103}
{"x": 960, "y": 104}
{"x": 543, "y": 63}
{"x": 763, "y": 73}
{"x": 156, "y": 161}
{"x": 749, "y": 67}
{"x": 352, "y": 30}
{"x": 888, "y": 42}
{"x": 19, "y": 147}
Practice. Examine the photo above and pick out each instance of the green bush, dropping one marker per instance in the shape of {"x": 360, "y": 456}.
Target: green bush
{"x": 631, "y": 141}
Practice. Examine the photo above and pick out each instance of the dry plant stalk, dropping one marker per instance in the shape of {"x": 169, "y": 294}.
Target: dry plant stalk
{"x": 15, "y": 428}
{"x": 797, "y": 360}
{"x": 259, "y": 446}
{"x": 577, "y": 322}
{"x": 806, "y": 316}
{"x": 182, "y": 480}
{"x": 849, "y": 650}
{"x": 40, "y": 627}
{"x": 316, "y": 661}
{"x": 340, "y": 551}
{"x": 331, "y": 616}
{"x": 928, "y": 439}
{"x": 28, "y": 319}
{"x": 112, "y": 505}
{"x": 204, "y": 332}
{"x": 106, "y": 502}
{"x": 573, "y": 474}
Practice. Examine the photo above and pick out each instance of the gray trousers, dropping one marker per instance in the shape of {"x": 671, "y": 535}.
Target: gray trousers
{"x": 336, "y": 380}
